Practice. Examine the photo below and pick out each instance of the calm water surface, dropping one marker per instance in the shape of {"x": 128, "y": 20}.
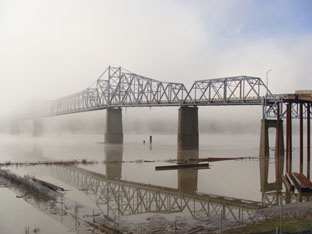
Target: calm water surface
{"x": 131, "y": 168}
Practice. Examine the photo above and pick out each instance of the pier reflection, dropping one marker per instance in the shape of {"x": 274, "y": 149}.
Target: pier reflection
{"x": 273, "y": 191}
{"x": 113, "y": 158}
{"x": 117, "y": 197}
{"x": 187, "y": 178}
{"x": 272, "y": 187}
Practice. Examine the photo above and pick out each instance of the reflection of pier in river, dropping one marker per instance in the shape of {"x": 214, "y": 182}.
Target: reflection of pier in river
{"x": 116, "y": 197}
{"x": 120, "y": 197}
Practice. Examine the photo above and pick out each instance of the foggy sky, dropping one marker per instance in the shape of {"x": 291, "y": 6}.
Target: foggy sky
{"x": 55, "y": 48}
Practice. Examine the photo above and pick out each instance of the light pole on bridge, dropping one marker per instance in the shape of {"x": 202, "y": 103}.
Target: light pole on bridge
{"x": 267, "y": 80}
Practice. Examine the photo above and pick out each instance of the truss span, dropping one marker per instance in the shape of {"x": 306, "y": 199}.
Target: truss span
{"x": 117, "y": 87}
{"x": 238, "y": 90}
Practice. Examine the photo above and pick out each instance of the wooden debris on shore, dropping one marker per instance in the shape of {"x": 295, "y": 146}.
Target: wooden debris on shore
{"x": 48, "y": 163}
{"x": 183, "y": 166}
{"x": 48, "y": 185}
{"x": 28, "y": 185}
{"x": 288, "y": 182}
{"x": 302, "y": 183}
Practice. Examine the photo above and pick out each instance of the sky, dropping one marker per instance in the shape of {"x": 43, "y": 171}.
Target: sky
{"x": 50, "y": 49}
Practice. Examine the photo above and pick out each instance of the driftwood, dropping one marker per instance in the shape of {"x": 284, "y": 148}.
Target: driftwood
{"x": 183, "y": 166}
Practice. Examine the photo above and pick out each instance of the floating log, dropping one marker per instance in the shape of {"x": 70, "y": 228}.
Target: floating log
{"x": 183, "y": 166}
{"x": 215, "y": 159}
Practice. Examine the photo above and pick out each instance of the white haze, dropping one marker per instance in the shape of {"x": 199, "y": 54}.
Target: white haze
{"x": 50, "y": 49}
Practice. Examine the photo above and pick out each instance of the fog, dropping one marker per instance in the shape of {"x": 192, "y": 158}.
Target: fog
{"x": 144, "y": 121}
{"x": 51, "y": 49}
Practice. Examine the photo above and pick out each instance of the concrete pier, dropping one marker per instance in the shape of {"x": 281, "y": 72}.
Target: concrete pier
{"x": 113, "y": 130}
{"x": 37, "y": 127}
{"x": 264, "y": 150}
{"x": 188, "y": 128}
{"x": 264, "y": 155}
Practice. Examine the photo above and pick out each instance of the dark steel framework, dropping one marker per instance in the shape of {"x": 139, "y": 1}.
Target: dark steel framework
{"x": 270, "y": 108}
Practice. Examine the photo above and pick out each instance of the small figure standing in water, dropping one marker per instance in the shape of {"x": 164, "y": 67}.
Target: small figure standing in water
{"x": 143, "y": 141}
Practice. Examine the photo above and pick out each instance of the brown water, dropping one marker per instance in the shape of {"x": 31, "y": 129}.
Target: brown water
{"x": 130, "y": 191}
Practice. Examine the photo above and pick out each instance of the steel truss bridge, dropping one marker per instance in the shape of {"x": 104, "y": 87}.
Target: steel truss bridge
{"x": 120, "y": 197}
{"x": 117, "y": 87}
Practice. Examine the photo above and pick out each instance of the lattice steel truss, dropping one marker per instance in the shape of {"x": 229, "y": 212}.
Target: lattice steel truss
{"x": 238, "y": 90}
{"x": 120, "y": 89}
{"x": 119, "y": 197}
{"x": 117, "y": 87}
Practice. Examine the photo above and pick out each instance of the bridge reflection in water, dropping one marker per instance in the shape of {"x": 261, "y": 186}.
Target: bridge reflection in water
{"x": 117, "y": 197}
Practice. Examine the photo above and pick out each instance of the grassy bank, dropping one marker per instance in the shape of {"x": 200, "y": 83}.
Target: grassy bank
{"x": 289, "y": 225}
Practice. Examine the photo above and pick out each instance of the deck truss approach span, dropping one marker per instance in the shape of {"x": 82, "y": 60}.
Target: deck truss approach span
{"x": 119, "y": 197}
{"x": 117, "y": 87}
{"x": 270, "y": 106}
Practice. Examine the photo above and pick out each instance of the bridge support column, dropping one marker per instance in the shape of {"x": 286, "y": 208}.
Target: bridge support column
{"x": 188, "y": 128}
{"x": 264, "y": 137}
{"x": 113, "y": 131}
{"x": 264, "y": 154}
{"x": 37, "y": 127}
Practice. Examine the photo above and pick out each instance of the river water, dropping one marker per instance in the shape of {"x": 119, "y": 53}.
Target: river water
{"x": 123, "y": 185}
